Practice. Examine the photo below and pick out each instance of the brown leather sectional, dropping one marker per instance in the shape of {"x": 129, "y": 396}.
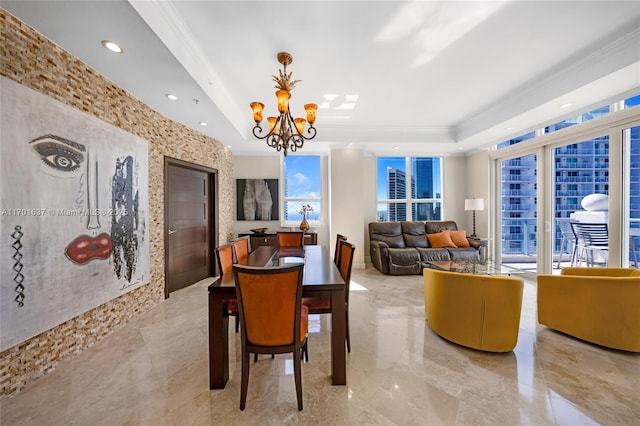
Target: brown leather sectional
{"x": 396, "y": 247}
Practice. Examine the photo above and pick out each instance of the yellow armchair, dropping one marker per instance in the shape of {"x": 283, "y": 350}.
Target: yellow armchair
{"x": 478, "y": 311}
{"x": 599, "y": 305}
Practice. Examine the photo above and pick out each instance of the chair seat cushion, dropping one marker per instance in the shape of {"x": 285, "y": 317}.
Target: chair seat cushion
{"x": 317, "y": 303}
{"x": 232, "y": 305}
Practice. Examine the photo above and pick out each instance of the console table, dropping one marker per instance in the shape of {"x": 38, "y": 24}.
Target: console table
{"x": 271, "y": 239}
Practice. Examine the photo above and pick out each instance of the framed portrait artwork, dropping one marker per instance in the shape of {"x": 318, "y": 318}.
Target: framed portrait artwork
{"x": 257, "y": 199}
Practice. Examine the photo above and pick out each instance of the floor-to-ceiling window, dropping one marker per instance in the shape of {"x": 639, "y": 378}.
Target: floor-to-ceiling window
{"x": 409, "y": 188}
{"x": 536, "y": 192}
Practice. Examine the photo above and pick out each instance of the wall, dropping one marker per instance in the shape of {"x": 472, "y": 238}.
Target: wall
{"x": 478, "y": 186}
{"x": 348, "y": 199}
{"x": 34, "y": 61}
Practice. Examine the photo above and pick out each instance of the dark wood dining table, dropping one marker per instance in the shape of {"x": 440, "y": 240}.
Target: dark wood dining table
{"x": 321, "y": 278}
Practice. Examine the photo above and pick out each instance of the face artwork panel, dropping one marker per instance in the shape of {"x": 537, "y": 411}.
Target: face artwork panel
{"x": 74, "y": 213}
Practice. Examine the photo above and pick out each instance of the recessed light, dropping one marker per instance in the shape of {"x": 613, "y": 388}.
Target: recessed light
{"x": 508, "y": 128}
{"x": 567, "y": 105}
{"x": 171, "y": 97}
{"x": 396, "y": 147}
{"x": 202, "y": 123}
{"x": 112, "y": 46}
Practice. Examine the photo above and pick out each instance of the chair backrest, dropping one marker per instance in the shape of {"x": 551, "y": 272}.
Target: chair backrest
{"x": 225, "y": 258}
{"x": 336, "y": 255}
{"x": 269, "y": 302}
{"x": 290, "y": 238}
{"x": 242, "y": 247}
{"x": 591, "y": 234}
{"x": 564, "y": 224}
{"x": 346, "y": 261}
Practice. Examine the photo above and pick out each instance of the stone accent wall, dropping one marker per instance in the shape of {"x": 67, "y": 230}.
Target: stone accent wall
{"x": 36, "y": 62}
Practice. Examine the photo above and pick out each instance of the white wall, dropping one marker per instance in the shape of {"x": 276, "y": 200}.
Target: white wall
{"x": 347, "y": 178}
{"x": 478, "y": 186}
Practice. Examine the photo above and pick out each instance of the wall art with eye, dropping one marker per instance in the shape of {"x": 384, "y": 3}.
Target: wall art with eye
{"x": 74, "y": 213}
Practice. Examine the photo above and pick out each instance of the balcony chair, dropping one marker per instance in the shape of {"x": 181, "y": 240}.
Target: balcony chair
{"x": 592, "y": 239}
{"x": 225, "y": 258}
{"x": 568, "y": 240}
{"x": 322, "y": 305}
{"x": 273, "y": 319}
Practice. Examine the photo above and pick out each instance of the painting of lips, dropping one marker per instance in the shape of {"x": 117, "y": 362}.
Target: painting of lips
{"x": 85, "y": 248}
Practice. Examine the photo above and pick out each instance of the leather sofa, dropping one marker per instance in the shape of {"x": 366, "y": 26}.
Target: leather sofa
{"x": 599, "y": 305}
{"x": 397, "y": 247}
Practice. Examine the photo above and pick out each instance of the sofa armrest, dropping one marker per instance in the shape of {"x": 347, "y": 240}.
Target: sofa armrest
{"x": 379, "y": 252}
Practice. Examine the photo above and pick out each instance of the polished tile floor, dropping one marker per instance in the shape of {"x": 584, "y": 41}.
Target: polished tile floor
{"x": 154, "y": 371}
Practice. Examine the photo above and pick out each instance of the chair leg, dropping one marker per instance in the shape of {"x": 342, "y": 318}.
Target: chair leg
{"x": 297, "y": 372}
{"x": 305, "y": 352}
{"x": 244, "y": 383}
{"x": 347, "y": 329}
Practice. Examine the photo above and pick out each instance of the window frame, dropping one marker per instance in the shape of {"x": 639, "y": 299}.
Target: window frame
{"x": 317, "y": 222}
{"x": 408, "y": 201}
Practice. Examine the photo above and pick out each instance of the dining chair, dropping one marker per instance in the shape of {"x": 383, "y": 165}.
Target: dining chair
{"x": 273, "y": 319}
{"x": 322, "y": 305}
{"x": 336, "y": 254}
{"x": 290, "y": 238}
{"x": 592, "y": 238}
{"x": 568, "y": 240}
{"x": 242, "y": 247}
{"x": 226, "y": 258}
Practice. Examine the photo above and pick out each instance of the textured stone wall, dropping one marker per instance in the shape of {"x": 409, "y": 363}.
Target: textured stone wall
{"x": 36, "y": 62}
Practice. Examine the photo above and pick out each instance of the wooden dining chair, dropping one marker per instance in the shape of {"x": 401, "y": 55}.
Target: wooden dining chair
{"x": 273, "y": 319}
{"x": 226, "y": 258}
{"x": 242, "y": 247}
{"x": 322, "y": 305}
{"x": 290, "y": 238}
{"x": 336, "y": 254}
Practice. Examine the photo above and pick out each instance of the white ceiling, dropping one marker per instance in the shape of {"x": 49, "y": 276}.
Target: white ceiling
{"x": 432, "y": 77}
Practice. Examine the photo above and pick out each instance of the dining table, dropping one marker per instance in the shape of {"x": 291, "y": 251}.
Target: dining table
{"x": 321, "y": 278}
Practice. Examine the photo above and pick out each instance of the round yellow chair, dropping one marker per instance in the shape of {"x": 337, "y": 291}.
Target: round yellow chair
{"x": 478, "y": 311}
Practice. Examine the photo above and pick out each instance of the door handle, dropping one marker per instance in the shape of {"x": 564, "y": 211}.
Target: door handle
{"x": 172, "y": 231}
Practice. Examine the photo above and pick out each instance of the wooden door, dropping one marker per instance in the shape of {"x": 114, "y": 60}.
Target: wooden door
{"x": 189, "y": 222}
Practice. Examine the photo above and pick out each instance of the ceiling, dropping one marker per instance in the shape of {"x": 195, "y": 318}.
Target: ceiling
{"x": 431, "y": 77}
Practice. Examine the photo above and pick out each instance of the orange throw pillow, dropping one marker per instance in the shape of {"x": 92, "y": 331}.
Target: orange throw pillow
{"x": 441, "y": 239}
{"x": 459, "y": 238}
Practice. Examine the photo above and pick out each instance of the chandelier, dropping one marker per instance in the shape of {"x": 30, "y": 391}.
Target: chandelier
{"x": 285, "y": 132}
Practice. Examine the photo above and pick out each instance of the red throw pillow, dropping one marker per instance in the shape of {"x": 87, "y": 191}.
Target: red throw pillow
{"x": 441, "y": 239}
{"x": 459, "y": 238}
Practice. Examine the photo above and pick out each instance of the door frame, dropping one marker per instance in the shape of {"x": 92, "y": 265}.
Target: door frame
{"x": 213, "y": 212}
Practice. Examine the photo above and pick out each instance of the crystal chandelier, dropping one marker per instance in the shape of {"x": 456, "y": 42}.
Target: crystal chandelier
{"x": 285, "y": 132}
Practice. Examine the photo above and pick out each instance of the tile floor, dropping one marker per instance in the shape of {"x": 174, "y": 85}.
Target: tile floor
{"x": 154, "y": 371}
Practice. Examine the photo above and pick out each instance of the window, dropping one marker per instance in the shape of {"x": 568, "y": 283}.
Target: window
{"x": 302, "y": 183}
{"x": 409, "y": 188}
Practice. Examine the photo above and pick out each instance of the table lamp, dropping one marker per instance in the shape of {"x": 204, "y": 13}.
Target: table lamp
{"x": 473, "y": 204}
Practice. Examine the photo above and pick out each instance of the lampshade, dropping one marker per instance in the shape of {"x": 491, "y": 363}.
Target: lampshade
{"x": 475, "y": 204}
